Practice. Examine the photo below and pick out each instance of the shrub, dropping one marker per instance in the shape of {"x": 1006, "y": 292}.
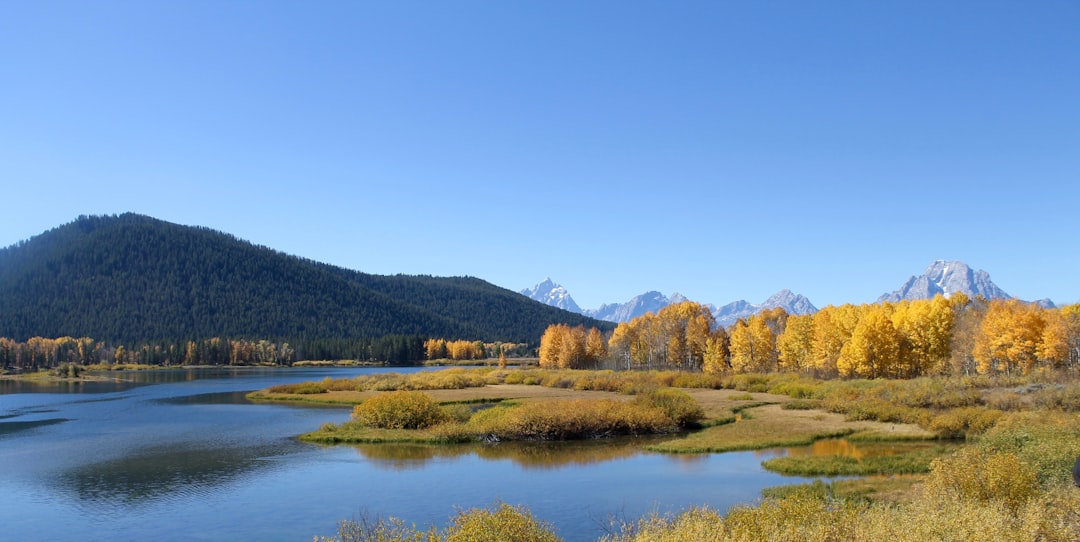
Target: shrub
{"x": 758, "y": 383}
{"x": 1061, "y": 397}
{"x": 975, "y": 474}
{"x": 683, "y": 409}
{"x": 399, "y": 410}
{"x": 498, "y": 523}
{"x": 301, "y": 388}
{"x": 567, "y": 419}
{"x": 797, "y": 390}
{"x": 802, "y": 404}
{"x": 67, "y": 370}
{"x": 964, "y": 422}
{"x": 697, "y": 380}
{"x": 458, "y": 412}
{"x": 1047, "y": 441}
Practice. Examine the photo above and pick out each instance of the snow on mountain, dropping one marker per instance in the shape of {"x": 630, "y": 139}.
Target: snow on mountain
{"x": 556, "y": 295}
{"x": 638, "y": 306}
{"x": 791, "y": 302}
{"x": 947, "y": 278}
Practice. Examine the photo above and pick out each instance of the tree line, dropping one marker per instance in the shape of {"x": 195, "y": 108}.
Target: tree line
{"x": 940, "y": 336}
{"x": 39, "y": 353}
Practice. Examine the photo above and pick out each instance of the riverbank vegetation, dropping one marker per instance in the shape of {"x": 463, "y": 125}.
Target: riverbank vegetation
{"x": 959, "y": 458}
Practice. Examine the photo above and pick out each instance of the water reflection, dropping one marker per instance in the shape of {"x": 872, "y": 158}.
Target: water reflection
{"x": 528, "y": 455}
{"x": 7, "y": 428}
{"x": 217, "y": 398}
{"x": 162, "y": 473}
{"x": 855, "y": 450}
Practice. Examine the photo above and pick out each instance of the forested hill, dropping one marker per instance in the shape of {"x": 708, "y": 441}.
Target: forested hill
{"x": 133, "y": 278}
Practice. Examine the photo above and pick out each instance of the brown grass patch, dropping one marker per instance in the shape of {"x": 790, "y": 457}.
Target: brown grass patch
{"x": 771, "y": 426}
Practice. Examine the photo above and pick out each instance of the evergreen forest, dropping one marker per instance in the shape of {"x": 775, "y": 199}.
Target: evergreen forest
{"x": 158, "y": 287}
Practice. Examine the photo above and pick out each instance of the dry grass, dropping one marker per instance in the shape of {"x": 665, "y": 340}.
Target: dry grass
{"x": 485, "y": 394}
{"x": 772, "y": 426}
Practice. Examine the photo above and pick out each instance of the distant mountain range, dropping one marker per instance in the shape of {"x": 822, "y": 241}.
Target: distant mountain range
{"x": 132, "y": 278}
{"x": 941, "y": 277}
{"x": 556, "y": 295}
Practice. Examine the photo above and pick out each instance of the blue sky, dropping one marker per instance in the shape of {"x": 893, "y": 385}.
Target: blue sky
{"x": 722, "y": 150}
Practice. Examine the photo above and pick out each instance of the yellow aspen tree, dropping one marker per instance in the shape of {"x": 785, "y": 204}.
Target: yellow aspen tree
{"x": 571, "y": 353}
{"x": 873, "y": 349}
{"x": 1053, "y": 348}
{"x": 698, "y": 330}
{"x": 716, "y": 358}
{"x": 595, "y": 347}
{"x": 967, "y": 321}
{"x": 741, "y": 347}
{"x": 1008, "y": 338}
{"x": 795, "y": 344}
{"x": 621, "y": 342}
{"x": 551, "y": 344}
{"x": 765, "y": 341}
{"x": 1071, "y": 313}
{"x": 832, "y": 329}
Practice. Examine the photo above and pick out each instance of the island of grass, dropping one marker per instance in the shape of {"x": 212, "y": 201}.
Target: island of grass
{"x": 701, "y": 413}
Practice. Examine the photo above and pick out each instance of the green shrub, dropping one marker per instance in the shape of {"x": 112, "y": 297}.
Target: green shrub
{"x": 399, "y": 410}
{"x": 67, "y": 370}
{"x": 802, "y": 404}
{"x": 458, "y": 412}
{"x": 797, "y": 390}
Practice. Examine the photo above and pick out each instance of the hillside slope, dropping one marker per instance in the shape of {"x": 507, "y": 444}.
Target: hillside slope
{"x": 135, "y": 278}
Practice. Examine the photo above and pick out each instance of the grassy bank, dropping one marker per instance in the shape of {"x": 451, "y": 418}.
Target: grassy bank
{"x": 955, "y": 459}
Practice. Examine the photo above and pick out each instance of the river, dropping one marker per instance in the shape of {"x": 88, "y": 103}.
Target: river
{"x": 181, "y": 455}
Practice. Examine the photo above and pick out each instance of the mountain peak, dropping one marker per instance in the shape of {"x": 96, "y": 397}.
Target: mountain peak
{"x": 550, "y": 293}
{"x": 785, "y": 299}
{"x": 947, "y": 277}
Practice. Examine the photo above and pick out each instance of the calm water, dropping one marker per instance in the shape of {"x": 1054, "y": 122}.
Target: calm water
{"x": 180, "y": 455}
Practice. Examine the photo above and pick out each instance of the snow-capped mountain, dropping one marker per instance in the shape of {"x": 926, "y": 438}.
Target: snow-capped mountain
{"x": 638, "y": 306}
{"x": 556, "y": 295}
{"x": 791, "y": 302}
{"x": 549, "y": 293}
{"x": 947, "y": 278}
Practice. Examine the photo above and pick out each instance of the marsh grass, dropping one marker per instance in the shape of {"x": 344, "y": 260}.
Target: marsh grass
{"x": 499, "y": 522}
{"x": 769, "y": 427}
{"x": 916, "y": 461}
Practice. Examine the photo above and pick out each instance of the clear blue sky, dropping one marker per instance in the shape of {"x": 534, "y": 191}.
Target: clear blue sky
{"x": 722, "y": 150}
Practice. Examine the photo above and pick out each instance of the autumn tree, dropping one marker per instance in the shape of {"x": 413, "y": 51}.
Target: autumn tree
{"x": 874, "y": 347}
{"x": 717, "y": 353}
{"x": 752, "y": 345}
{"x": 833, "y": 327}
{"x": 795, "y": 346}
{"x": 565, "y": 347}
{"x": 1071, "y": 314}
{"x": 1009, "y": 338}
{"x": 967, "y": 321}
{"x": 925, "y": 328}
